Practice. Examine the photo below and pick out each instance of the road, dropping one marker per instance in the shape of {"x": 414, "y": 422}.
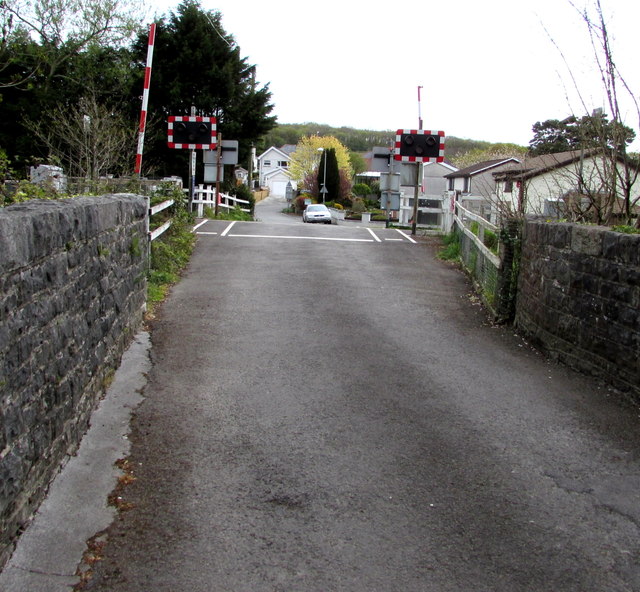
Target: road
{"x": 330, "y": 410}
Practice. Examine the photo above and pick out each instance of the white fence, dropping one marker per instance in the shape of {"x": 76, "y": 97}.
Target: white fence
{"x": 465, "y": 219}
{"x": 204, "y": 196}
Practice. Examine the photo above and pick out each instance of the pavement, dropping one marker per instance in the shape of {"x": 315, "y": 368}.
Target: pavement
{"x": 48, "y": 553}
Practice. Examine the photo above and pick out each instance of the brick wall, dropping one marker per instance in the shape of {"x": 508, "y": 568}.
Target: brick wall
{"x": 579, "y": 298}
{"x": 72, "y": 292}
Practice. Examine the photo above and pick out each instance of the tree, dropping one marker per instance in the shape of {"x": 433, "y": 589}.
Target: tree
{"x": 618, "y": 173}
{"x": 54, "y": 54}
{"x": 589, "y": 131}
{"x": 329, "y": 176}
{"x": 488, "y": 152}
{"x": 305, "y": 159}
{"x": 89, "y": 138}
{"x": 358, "y": 163}
{"x": 197, "y": 64}
{"x": 59, "y": 29}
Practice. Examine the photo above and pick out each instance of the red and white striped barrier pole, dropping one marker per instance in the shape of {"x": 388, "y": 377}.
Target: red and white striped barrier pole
{"x": 145, "y": 98}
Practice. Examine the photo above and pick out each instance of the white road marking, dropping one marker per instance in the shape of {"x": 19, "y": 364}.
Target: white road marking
{"x": 396, "y": 240}
{"x": 203, "y": 232}
{"x": 319, "y": 238}
{"x": 406, "y": 236}
{"x": 199, "y": 225}
{"x": 374, "y": 235}
{"x": 227, "y": 229}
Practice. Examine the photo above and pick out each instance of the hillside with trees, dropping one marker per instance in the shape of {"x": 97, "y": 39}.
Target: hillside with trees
{"x": 361, "y": 141}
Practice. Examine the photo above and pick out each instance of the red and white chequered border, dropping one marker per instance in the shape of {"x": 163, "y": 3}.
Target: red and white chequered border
{"x": 396, "y": 150}
{"x": 191, "y": 118}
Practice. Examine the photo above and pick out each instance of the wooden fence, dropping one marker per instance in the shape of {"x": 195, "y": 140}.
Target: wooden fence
{"x": 205, "y": 197}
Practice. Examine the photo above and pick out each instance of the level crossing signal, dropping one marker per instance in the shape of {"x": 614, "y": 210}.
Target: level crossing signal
{"x": 192, "y": 132}
{"x": 419, "y": 146}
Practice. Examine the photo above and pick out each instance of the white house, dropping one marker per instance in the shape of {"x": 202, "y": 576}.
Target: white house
{"x": 543, "y": 184}
{"x": 273, "y": 169}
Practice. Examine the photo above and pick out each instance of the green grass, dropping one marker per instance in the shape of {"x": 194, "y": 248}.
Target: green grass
{"x": 626, "y": 229}
{"x": 451, "y": 249}
{"x": 170, "y": 253}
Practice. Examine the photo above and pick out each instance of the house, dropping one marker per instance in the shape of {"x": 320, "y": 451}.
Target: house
{"x": 241, "y": 175}
{"x": 478, "y": 179}
{"x": 431, "y": 194}
{"x": 273, "y": 165}
{"x": 549, "y": 183}
{"x": 474, "y": 186}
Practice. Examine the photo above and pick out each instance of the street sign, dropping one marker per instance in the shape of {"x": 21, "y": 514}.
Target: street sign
{"x": 390, "y": 181}
{"x": 390, "y": 200}
{"x": 211, "y": 173}
{"x": 229, "y": 149}
{"x": 419, "y": 146}
{"x": 192, "y": 132}
{"x": 380, "y": 159}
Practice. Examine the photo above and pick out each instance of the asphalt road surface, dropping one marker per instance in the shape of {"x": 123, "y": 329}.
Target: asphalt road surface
{"x": 329, "y": 410}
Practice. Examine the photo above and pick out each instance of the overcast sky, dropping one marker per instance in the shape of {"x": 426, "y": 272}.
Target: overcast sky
{"x": 489, "y": 70}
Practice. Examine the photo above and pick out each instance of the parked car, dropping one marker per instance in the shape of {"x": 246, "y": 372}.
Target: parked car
{"x": 316, "y": 213}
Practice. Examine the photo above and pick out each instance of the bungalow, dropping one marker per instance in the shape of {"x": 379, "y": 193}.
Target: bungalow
{"x": 549, "y": 184}
{"x": 474, "y": 186}
{"x": 477, "y": 179}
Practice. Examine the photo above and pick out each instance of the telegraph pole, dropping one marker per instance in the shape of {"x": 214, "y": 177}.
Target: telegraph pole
{"x": 418, "y": 174}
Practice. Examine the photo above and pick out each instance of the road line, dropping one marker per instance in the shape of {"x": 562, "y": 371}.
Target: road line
{"x": 320, "y": 238}
{"x": 374, "y": 235}
{"x": 207, "y": 233}
{"x": 227, "y": 229}
{"x": 199, "y": 225}
{"x": 396, "y": 240}
{"x": 406, "y": 236}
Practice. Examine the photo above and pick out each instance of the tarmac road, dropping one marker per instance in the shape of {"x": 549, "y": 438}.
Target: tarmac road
{"x": 329, "y": 410}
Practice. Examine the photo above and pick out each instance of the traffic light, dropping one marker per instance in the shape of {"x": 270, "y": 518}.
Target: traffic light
{"x": 419, "y": 146}
{"x": 195, "y": 133}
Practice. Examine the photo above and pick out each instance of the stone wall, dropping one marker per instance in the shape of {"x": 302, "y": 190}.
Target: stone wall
{"x": 72, "y": 293}
{"x": 579, "y": 298}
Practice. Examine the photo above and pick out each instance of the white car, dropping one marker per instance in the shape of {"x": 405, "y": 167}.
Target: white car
{"x": 316, "y": 213}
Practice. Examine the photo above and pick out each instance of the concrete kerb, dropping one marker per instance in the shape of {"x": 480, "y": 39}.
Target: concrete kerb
{"x": 49, "y": 551}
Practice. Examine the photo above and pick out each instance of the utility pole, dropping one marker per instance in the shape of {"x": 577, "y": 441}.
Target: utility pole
{"x": 218, "y": 165}
{"x": 192, "y": 169}
{"x": 419, "y": 174}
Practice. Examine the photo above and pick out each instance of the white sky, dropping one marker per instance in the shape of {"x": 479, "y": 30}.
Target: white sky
{"x": 489, "y": 69}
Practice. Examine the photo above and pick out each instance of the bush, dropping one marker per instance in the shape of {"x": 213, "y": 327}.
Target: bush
{"x": 491, "y": 240}
{"x": 358, "y": 206}
{"x": 361, "y": 189}
{"x": 243, "y": 192}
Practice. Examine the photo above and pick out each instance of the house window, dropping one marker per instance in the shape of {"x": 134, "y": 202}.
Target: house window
{"x": 508, "y": 186}
{"x": 452, "y": 184}
{"x": 467, "y": 185}
{"x": 283, "y": 163}
{"x": 267, "y": 163}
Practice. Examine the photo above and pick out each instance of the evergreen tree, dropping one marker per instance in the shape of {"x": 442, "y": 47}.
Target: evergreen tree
{"x": 332, "y": 178}
{"x": 574, "y": 133}
{"x": 197, "y": 64}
